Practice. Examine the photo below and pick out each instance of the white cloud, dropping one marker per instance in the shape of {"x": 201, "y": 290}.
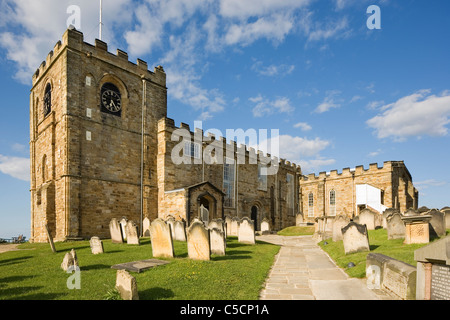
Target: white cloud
{"x": 416, "y": 115}
{"x": 333, "y": 29}
{"x": 16, "y": 167}
{"x": 267, "y": 107}
{"x": 33, "y": 28}
{"x": 250, "y": 8}
{"x": 315, "y": 165}
{"x": 330, "y": 102}
{"x": 272, "y": 70}
{"x": 303, "y": 126}
{"x": 274, "y": 27}
{"x": 301, "y": 151}
{"x": 421, "y": 185}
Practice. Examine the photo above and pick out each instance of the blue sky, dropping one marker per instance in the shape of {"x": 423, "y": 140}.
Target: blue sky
{"x": 340, "y": 94}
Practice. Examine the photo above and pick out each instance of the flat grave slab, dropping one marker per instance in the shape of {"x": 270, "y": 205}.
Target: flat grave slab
{"x": 139, "y": 266}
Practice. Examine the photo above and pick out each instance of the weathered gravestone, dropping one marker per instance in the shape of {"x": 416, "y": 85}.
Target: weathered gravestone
{"x": 139, "y": 266}
{"x": 246, "y": 232}
{"x": 385, "y": 215}
{"x": 171, "y": 221}
{"x": 126, "y": 285}
{"x": 218, "y": 224}
{"x": 161, "y": 239}
{"x": 132, "y": 230}
{"x": 96, "y": 245}
{"x": 70, "y": 261}
{"x": 146, "y": 227}
{"x": 370, "y": 218}
{"x": 265, "y": 226}
{"x": 340, "y": 222}
{"x": 228, "y": 225}
{"x": 234, "y": 227}
{"x": 437, "y": 223}
{"x": 416, "y": 228}
{"x": 395, "y": 226}
{"x": 123, "y": 227}
{"x": 198, "y": 242}
{"x": 446, "y": 211}
{"x": 355, "y": 237}
{"x": 179, "y": 231}
{"x": 433, "y": 271}
{"x": 217, "y": 241}
{"x": 115, "y": 231}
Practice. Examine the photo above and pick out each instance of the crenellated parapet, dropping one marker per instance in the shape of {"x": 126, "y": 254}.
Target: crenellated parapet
{"x": 241, "y": 152}
{"x": 388, "y": 166}
{"x": 74, "y": 40}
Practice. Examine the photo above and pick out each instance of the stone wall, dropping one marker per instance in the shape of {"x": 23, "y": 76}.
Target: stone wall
{"x": 393, "y": 179}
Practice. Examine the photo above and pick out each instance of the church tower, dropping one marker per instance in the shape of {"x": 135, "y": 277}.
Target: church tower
{"x": 93, "y": 139}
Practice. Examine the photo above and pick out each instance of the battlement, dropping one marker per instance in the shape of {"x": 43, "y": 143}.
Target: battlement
{"x": 74, "y": 40}
{"x": 388, "y": 166}
{"x": 198, "y": 135}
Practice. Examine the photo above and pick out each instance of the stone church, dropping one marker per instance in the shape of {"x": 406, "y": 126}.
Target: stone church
{"x": 102, "y": 147}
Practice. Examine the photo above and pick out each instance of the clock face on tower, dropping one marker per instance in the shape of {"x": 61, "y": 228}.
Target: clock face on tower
{"x": 111, "y": 99}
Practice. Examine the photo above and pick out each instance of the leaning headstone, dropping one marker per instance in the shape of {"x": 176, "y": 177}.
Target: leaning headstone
{"x": 161, "y": 238}
{"x": 70, "y": 260}
{"x": 437, "y": 223}
{"x": 132, "y": 231}
{"x": 50, "y": 239}
{"x": 234, "y": 227}
{"x": 340, "y": 222}
{"x": 123, "y": 226}
{"x": 265, "y": 226}
{"x": 146, "y": 227}
{"x": 198, "y": 242}
{"x": 246, "y": 232}
{"x": 217, "y": 241}
{"x": 115, "y": 231}
{"x": 355, "y": 237}
{"x": 395, "y": 226}
{"x": 179, "y": 231}
{"x": 96, "y": 245}
{"x": 126, "y": 285}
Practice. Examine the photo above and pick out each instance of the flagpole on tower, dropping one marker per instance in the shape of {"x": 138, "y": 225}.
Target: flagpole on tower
{"x": 101, "y": 23}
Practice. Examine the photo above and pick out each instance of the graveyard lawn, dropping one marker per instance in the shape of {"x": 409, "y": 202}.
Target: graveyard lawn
{"x": 296, "y": 231}
{"x": 35, "y": 273}
{"x": 378, "y": 244}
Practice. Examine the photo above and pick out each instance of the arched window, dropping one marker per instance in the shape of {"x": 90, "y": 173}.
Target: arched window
{"x": 332, "y": 203}
{"x": 47, "y": 100}
{"x": 311, "y": 205}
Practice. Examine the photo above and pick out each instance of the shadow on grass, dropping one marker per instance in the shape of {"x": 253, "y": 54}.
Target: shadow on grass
{"x": 7, "y": 262}
{"x": 156, "y": 294}
{"x": 95, "y": 267}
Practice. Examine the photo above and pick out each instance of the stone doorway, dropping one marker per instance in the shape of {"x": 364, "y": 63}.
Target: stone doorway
{"x": 254, "y": 217}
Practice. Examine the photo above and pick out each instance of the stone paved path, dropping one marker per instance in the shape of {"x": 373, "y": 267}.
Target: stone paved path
{"x": 303, "y": 271}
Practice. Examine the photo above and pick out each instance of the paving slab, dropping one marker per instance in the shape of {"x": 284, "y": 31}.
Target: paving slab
{"x": 303, "y": 271}
{"x": 139, "y": 266}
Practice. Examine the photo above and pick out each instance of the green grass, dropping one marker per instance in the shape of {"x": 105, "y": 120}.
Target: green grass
{"x": 296, "y": 231}
{"x": 35, "y": 273}
{"x": 378, "y": 244}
